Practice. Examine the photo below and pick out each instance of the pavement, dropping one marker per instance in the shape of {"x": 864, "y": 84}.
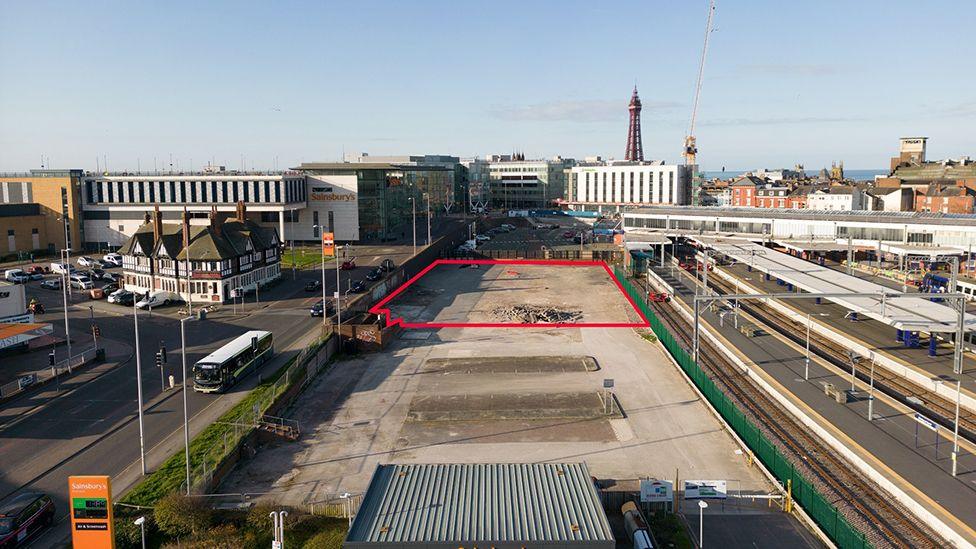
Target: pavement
{"x": 888, "y": 442}
{"x": 89, "y": 426}
{"x": 733, "y": 524}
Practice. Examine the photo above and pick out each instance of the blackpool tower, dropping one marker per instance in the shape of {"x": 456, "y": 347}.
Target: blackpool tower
{"x": 635, "y": 151}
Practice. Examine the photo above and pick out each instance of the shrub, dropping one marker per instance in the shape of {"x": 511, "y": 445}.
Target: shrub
{"x": 127, "y": 534}
{"x": 181, "y": 516}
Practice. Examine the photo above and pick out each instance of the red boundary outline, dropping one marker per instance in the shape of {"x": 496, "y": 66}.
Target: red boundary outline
{"x": 379, "y": 309}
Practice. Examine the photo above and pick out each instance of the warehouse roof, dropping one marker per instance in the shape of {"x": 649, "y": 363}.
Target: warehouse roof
{"x": 481, "y": 503}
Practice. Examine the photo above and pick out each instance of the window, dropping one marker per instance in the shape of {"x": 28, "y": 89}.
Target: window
{"x": 34, "y": 231}
{"x": 10, "y": 232}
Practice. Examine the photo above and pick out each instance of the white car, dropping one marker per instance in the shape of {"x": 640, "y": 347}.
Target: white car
{"x": 82, "y": 282}
{"x": 113, "y": 259}
{"x": 86, "y": 261}
{"x": 17, "y": 276}
{"x": 482, "y": 238}
{"x": 157, "y": 299}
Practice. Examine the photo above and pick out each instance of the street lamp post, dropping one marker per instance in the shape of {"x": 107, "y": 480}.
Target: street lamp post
{"x": 278, "y": 523}
{"x": 142, "y": 440}
{"x": 427, "y": 196}
{"x": 806, "y": 367}
{"x": 141, "y": 523}
{"x": 64, "y": 292}
{"x": 955, "y": 431}
{"x": 186, "y": 414}
{"x": 413, "y": 213}
{"x": 871, "y": 394}
{"x": 701, "y": 522}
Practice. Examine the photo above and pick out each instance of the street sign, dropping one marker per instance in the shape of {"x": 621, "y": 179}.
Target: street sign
{"x": 328, "y": 244}
{"x": 90, "y": 499}
{"x": 926, "y": 422}
{"x": 705, "y": 489}
{"x": 608, "y": 383}
{"x": 656, "y": 491}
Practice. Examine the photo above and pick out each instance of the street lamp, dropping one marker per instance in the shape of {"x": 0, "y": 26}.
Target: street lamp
{"x": 427, "y": 196}
{"x": 142, "y": 440}
{"x": 346, "y": 501}
{"x": 338, "y": 303}
{"x": 141, "y": 523}
{"x": 701, "y": 522}
{"x": 413, "y": 213}
{"x": 186, "y": 415}
{"x": 65, "y": 280}
{"x": 278, "y": 523}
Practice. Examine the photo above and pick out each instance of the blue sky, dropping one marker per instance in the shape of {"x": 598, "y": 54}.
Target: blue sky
{"x": 786, "y": 82}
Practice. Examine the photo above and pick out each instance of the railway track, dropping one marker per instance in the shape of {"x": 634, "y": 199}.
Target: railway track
{"x": 884, "y": 523}
{"x": 912, "y": 395}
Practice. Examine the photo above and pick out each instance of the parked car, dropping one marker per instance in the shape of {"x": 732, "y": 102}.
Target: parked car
{"x": 348, "y": 264}
{"x": 86, "y": 261}
{"x": 113, "y": 258}
{"x": 482, "y": 238}
{"x": 109, "y": 288}
{"x": 508, "y": 226}
{"x": 110, "y": 277}
{"x": 387, "y": 265}
{"x": 62, "y": 268}
{"x": 316, "y": 309}
{"x": 17, "y": 276}
{"x": 121, "y": 297}
{"x": 96, "y": 274}
{"x": 52, "y": 284}
{"x": 157, "y": 298}
{"x": 35, "y": 272}
{"x": 24, "y": 516}
{"x": 81, "y": 281}
{"x": 375, "y": 274}
{"x": 96, "y": 293}
{"x": 569, "y": 234}
{"x": 313, "y": 285}
{"x": 358, "y": 287}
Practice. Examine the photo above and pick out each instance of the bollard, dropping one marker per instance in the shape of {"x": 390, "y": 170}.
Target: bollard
{"x": 172, "y": 381}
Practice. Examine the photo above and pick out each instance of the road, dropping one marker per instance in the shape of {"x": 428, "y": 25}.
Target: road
{"x": 93, "y": 429}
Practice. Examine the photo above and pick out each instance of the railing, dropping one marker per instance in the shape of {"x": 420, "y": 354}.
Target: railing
{"x": 831, "y": 521}
{"x": 59, "y": 369}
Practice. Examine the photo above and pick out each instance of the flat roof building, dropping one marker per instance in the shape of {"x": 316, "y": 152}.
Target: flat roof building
{"x": 499, "y": 505}
{"x": 53, "y": 198}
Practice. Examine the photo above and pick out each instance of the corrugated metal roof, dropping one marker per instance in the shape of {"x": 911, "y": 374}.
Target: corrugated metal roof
{"x": 540, "y": 502}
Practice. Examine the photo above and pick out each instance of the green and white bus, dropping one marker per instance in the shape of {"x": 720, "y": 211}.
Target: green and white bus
{"x": 222, "y": 368}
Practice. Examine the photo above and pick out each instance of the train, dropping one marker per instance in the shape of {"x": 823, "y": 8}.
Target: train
{"x": 937, "y": 283}
{"x": 636, "y": 526}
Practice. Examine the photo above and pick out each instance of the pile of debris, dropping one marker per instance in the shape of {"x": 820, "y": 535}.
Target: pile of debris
{"x": 536, "y": 314}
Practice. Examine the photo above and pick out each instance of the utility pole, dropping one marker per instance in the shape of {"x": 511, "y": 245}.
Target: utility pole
{"x": 850, "y": 255}
{"x": 427, "y": 196}
{"x": 806, "y": 370}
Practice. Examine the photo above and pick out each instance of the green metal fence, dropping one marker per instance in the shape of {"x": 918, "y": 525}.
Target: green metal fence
{"x": 813, "y": 502}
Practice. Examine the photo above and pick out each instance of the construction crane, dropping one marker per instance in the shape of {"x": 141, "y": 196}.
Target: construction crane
{"x": 691, "y": 148}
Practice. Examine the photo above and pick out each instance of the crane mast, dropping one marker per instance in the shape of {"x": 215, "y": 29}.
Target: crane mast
{"x": 691, "y": 149}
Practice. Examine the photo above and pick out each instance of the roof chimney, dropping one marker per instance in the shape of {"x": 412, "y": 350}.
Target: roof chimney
{"x": 146, "y": 219}
{"x": 157, "y": 223}
{"x": 241, "y": 210}
{"x": 214, "y": 222}
{"x": 186, "y": 229}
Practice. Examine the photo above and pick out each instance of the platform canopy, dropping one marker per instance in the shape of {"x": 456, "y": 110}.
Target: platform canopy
{"x": 812, "y": 245}
{"x": 904, "y": 313}
{"x": 18, "y": 333}
{"x": 933, "y": 253}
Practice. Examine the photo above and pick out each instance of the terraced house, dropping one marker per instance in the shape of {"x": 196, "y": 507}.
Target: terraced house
{"x": 223, "y": 255}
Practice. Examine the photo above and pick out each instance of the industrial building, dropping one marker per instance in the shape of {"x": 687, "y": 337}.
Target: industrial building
{"x": 40, "y": 211}
{"x": 484, "y": 505}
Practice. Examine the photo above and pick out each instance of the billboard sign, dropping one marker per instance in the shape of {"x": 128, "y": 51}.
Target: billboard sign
{"x": 656, "y": 491}
{"x": 705, "y": 489}
{"x": 328, "y": 244}
{"x": 90, "y": 498}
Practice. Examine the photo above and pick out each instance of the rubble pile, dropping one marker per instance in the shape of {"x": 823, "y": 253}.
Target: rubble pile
{"x": 536, "y": 314}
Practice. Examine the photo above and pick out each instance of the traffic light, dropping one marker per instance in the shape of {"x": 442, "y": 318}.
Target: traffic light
{"x": 50, "y": 358}
{"x": 162, "y": 352}
{"x": 159, "y": 359}
{"x": 97, "y": 331}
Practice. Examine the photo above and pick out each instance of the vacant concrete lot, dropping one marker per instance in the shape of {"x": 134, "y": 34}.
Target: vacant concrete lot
{"x": 499, "y": 395}
{"x": 513, "y": 294}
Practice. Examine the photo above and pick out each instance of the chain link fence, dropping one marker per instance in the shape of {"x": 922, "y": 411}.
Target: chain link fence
{"x": 826, "y": 515}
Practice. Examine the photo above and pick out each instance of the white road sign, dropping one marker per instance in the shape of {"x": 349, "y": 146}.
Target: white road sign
{"x": 705, "y": 489}
{"x": 655, "y": 491}
{"x": 926, "y": 422}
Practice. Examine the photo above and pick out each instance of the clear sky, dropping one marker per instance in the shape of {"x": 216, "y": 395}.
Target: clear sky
{"x": 786, "y": 81}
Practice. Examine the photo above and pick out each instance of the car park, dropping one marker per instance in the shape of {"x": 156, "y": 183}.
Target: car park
{"x": 24, "y": 516}
{"x": 113, "y": 259}
{"x": 81, "y": 281}
{"x": 375, "y": 274}
{"x": 358, "y": 287}
{"x": 387, "y": 265}
{"x": 317, "y": 309}
{"x": 313, "y": 285}
{"x": 86, "y": 261}
{"x": 17, "y": 276}
{"x": 348, "y": 264}
{"x": 52, "y": 284}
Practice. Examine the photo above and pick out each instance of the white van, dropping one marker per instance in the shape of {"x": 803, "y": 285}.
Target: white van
{"x": 62, "y": 268}
{"x": 17, "y": 276}
{"x": 158, "y": 298}
{"x": 81, "y": 281}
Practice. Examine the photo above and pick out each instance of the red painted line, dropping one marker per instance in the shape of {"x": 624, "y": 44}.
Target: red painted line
{"x": 380, "y": 309}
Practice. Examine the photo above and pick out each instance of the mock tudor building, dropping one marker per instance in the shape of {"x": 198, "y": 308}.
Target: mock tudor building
{"x": 224, "y": 254}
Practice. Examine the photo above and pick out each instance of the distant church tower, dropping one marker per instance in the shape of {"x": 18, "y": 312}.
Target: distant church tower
{"x": 635, "y": 150}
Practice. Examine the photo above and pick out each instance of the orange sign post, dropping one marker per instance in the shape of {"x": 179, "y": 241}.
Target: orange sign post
{"x": 90, "y": 497}
{"x": 328, "y": 244}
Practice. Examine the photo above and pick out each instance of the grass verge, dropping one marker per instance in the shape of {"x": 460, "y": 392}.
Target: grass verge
{"x": 303, "y": 257}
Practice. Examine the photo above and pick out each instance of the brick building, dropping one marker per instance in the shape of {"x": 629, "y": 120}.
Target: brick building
{"x": 947, "y": 198}
{"x": 41, "y": 207}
